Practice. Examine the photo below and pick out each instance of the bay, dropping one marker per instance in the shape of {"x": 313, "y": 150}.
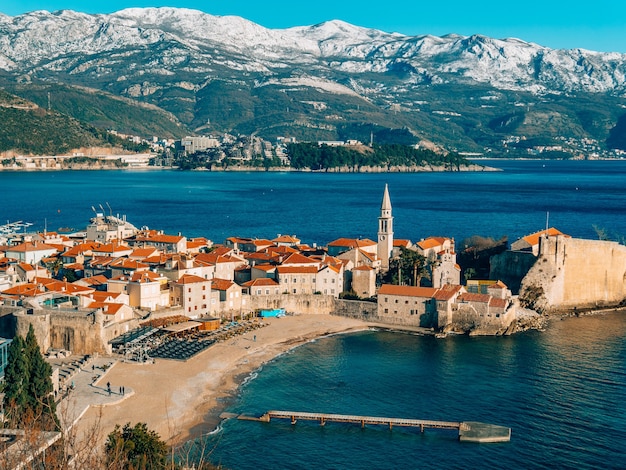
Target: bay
{"x": 320, "y": 207}
{"x": 562, "y": 391}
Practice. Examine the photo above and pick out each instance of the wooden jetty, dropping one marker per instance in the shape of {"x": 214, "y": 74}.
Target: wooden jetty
{"x": 468, "y": 431}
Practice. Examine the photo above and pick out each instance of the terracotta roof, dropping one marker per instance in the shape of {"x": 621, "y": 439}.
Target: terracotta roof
{"x": 221, "y": 284}
{"x": 191, "y": 279}
{"x": 126, "y": 263}
{"x": 146, "y": 252}
{"x": 472, "y": 297}
{"x": 352, "y": 242}
{"x": 297, "y": 269}
{"x": 297, "y": 258}
{"x": 160, "y": 238}
{"x": 27, "y": 290}
{"x": 30, "y": 246}
{"x": 99, "y": 280}
{"x": 533, "y": 238}
{"x": 370, "y": 256}
{"x": 407, "y": 291}
{"x": 265, "y": 267}
{"x": 287, "y": 239}
{"x": 498, "y": 303}
{"x": 105, "y": 296}
{"x": 404, "y": 243}
{"x": 145, "y": 276}
{"x": 447, "y": 292}
{"x": 364, "y": 268}
{"x": 26, "y": 267}
{"x": 431, "y": 242}
{"x": 222, "y": 250}
{"x": 108, "y": 308}
{"x": 261, "y": 282}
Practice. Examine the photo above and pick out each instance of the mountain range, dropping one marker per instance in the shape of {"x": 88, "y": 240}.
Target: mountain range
{"x": 198, "y": 73}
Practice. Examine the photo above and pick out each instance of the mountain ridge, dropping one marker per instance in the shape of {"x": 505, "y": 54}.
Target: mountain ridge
{"x": 228, "y": 74}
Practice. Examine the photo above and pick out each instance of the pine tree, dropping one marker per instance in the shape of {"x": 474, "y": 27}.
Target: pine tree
{"x": 40, "y": 391}
{"x": 16, "y": 379}
{"x": 28, "y": 398}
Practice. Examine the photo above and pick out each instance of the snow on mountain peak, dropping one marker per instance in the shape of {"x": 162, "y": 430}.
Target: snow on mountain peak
{"x": 40, "y": 40}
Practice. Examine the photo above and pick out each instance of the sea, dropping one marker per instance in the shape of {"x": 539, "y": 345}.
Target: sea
{"x": 562, "y": 391}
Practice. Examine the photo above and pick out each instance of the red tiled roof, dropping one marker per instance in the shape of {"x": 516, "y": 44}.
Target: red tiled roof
{"x": 297, "y": 258}
{"x": 404, "y": 243}
{"x": 407, "y": 291}
{"x": 431, "y": 242}
{"x": 533, "y": 238}
{"x": 221, "y": 284}
{"x": 447, "y": 292}
{"x": 498, "y": 303}
{"x": 30, "y": 246}
{"x": 286, "y": 239}
{"x": 261, "y": 282}
{"x": 145, "y": 276}
{"x": 159, "y": 238}
{"x": 191, "y": 279}
{"x": 297, "y": 269}
{"x": 472, "y": 297}
{"x": 352, "y": 242}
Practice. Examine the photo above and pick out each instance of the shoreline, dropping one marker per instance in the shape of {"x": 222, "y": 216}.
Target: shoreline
{"x": 183, "y": 400}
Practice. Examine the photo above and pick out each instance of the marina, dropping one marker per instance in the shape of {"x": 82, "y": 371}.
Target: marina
{"x": 468, "y": 431}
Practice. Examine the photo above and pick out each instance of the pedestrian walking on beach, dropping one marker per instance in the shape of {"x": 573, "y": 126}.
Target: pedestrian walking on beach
{"x": 121, "y": 391}
{"x": 109, "y": 388}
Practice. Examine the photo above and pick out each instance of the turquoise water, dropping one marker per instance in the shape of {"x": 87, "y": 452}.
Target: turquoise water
{"x": 562, "y": 391}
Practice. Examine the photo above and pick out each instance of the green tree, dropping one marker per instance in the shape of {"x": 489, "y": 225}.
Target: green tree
{"x": 40, "y": 390}
{"x": 16, "y": 377}
{"x": 28, "y": 398}
{"x": 407, "y": 269}
{"x": 136, "y": 448}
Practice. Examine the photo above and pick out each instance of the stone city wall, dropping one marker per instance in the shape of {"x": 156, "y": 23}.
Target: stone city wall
{"x": 573, "y": 273}
{"x": 303, "y": 304}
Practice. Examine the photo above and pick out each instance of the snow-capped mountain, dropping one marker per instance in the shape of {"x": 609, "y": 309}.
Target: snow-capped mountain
{"x": 173, "y": 57}
{"x": 40, "y": 41}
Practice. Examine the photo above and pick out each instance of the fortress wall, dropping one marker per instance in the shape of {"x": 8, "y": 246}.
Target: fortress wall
{"x": 78, "y": 331}
{"x": 578, "y": 273}
{"x": 41, "y": 327}
{"x": 358, "y": 309}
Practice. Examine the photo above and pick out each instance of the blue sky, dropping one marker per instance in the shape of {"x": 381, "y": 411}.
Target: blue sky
{"x": 596, "y": 25}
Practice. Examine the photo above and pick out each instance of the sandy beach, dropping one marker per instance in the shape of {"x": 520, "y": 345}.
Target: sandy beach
{"x": 184, "y": 399}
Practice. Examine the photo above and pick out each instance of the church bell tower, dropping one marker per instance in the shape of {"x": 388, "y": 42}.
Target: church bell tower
{"x": 385, "y": 231}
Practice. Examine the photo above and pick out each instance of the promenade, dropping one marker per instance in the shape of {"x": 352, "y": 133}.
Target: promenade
{"x": 88, "y": 392}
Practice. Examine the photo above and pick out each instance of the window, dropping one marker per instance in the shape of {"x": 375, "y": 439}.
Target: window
{"x": 295, "y": 291}
{"x": 386, "y": 299}
{"x": 189, "y": 290}
{"x": 386, "y": 310}
{"x": 406, "y": 302}
{"x": 258, "y": 292}
{"x": 396, "y": 300}
{"x": 333, "y": 281}
{"x": 203, "y": 297}
{"x": 267, "y": 292}
{"x": 203, "y": 287}
{"x": 189, "y": 299}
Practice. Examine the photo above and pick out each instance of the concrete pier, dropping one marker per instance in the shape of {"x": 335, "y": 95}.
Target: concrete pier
{"x": 468, "y": 431}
